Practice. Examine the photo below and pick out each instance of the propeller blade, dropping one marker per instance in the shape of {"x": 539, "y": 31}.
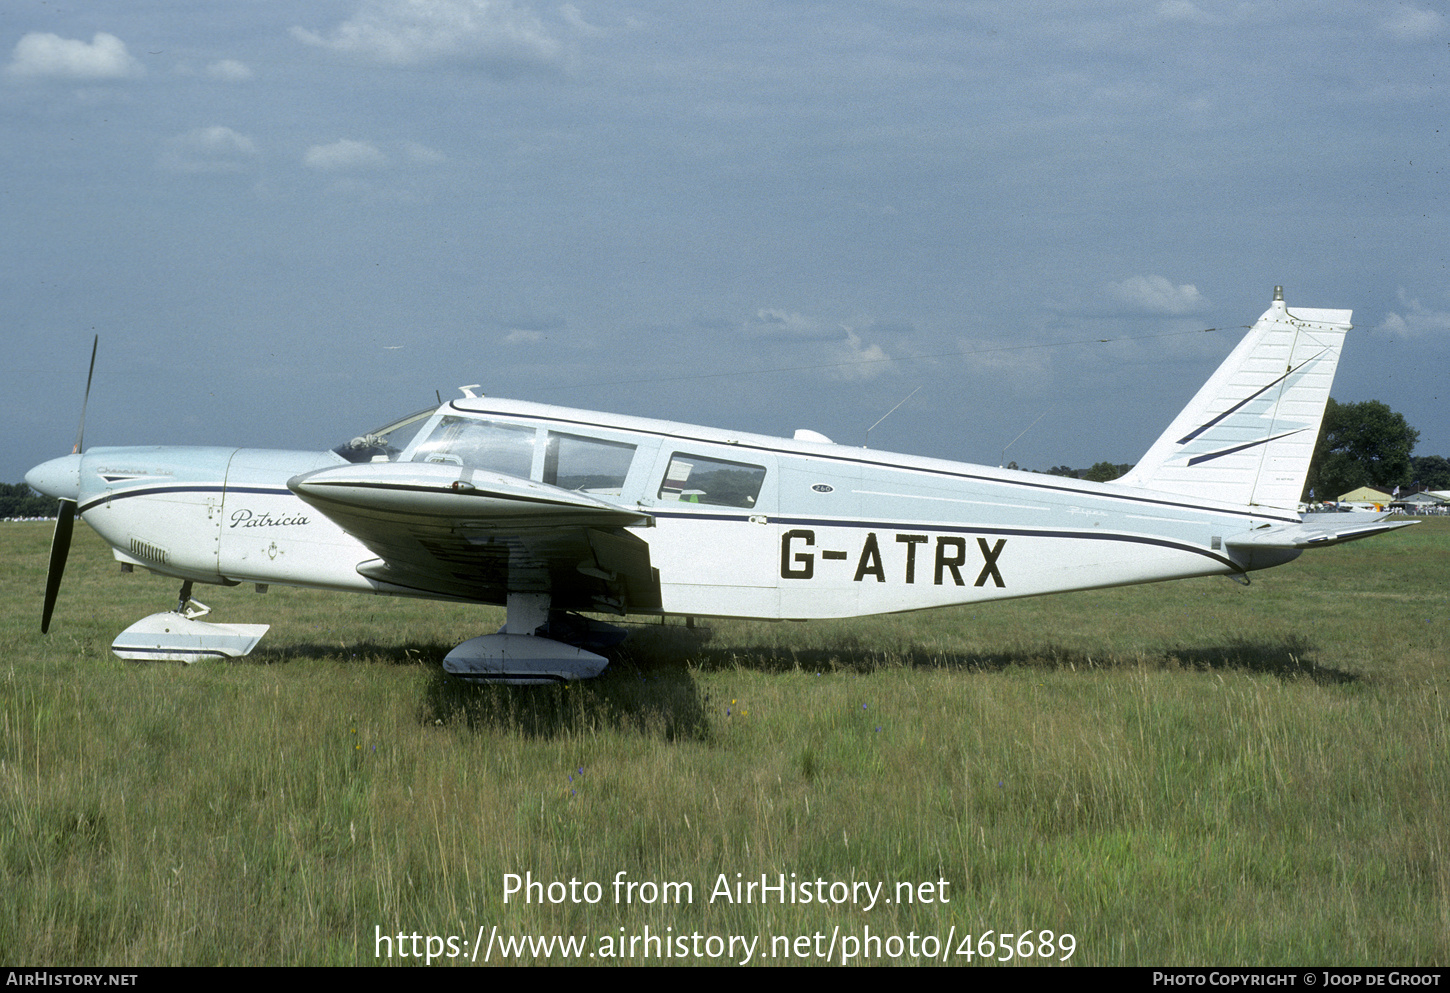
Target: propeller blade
{"x": 59, "y": 549}
{"x": 80, "y": 431}
{"x": 65, "y": 520}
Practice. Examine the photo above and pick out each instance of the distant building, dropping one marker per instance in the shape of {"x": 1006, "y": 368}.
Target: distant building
{"x": 1367, "y": 497}
{"x": 1423, "y": 503}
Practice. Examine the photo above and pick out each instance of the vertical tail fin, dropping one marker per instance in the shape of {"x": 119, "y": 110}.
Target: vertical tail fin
{"x": 1248, "y": 435}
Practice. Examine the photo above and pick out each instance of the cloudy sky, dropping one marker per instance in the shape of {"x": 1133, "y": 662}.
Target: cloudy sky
{"x": 289, "y": 223}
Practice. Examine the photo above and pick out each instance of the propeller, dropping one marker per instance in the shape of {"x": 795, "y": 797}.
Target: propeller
{"x": 65, "y": 520}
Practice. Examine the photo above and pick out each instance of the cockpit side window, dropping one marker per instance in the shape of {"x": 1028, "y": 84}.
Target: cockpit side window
{"x": 479, "y": 444}
{"x": 590, "y": 465}
{"x": 699, "y": 479}
{"x": 386, "y": 443}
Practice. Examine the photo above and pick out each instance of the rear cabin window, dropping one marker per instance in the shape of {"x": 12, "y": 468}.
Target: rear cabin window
{"x": 698, "y": 479}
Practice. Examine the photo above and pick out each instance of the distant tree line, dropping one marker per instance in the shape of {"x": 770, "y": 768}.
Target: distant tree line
{"x": 19, "y": 500}
{"x": 1432, "y": 472}
{"x": 1101, "y": 472}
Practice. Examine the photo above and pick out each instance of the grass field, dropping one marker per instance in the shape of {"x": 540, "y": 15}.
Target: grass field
{"x": 1187, "y": 773}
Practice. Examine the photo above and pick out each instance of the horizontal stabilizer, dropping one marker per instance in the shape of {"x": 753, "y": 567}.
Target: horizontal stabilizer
{"x": 1317, "y": 531}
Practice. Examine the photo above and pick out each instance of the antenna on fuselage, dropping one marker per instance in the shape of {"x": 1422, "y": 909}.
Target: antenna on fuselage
{"x": 888, "y": 414}
{"x": 1003, "y": 463}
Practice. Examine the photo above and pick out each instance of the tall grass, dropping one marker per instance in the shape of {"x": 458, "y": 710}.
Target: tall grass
{"x": 1177, "y": 774}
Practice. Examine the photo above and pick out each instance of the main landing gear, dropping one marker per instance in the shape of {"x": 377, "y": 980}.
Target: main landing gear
{"x": 525, "y": 651}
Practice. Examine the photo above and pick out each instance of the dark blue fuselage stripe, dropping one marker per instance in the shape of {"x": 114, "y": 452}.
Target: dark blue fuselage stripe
{"x": 189, "y": 488}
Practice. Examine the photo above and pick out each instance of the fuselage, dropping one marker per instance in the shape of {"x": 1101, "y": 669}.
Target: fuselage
{"x": 736, "y": 524}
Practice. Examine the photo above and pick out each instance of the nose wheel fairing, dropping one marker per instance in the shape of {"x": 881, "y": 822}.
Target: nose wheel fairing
{"x": 174, "y": 637}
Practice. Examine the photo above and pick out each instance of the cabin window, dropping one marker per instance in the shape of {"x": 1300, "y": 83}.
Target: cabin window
{"x": 589, "y": 465}
{"x": 477, "y": 444}
{"x": 698, "y": 479}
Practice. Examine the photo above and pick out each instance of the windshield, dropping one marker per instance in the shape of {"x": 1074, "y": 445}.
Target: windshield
{"x": 480, "y": 444}
{"x": 386, "y": 443}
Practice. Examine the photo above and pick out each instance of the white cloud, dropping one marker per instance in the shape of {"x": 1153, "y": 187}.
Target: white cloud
{"x": 422, "y": 154}
{"x": 347, "y": 154}
{"x": 344, "y": 154}
{"x": 1417, "y": 320}
{"x": 229, "y": 71}
{"x": 1156, "y": 295}
{"x": 576, "y": 20}
{"x": 502, "y": 36}
{"x": 771, "y": 322}
{"x": 522, "y": 337}
{"x": 1411, "y": 24}
{"x": 40, "y": 55}
{"x": 1182, "y": 10}
{"x": 835, "y": 346}
{"x": 858, "y": 360}
{"x": 213, "y": 149}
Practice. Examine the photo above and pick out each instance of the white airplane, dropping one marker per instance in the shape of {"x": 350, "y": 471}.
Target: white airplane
{"x": 554, "y": 512}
